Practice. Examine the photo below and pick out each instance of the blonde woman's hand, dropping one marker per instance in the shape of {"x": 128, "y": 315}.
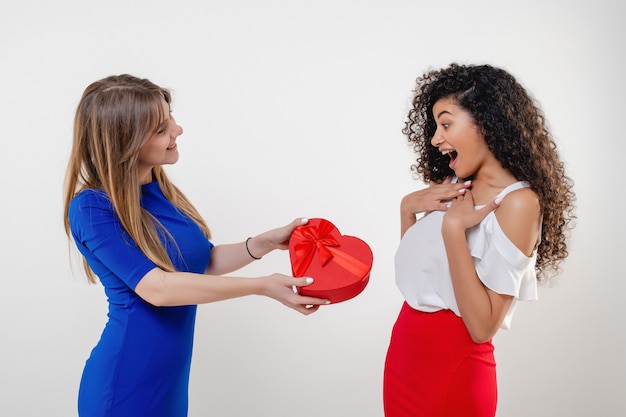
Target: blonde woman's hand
{"x": 282, "y": 288}
{"x": 274, "y": 239}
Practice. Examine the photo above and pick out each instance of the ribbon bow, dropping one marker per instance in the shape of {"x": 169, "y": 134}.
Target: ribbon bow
{"x": 318, "y": 238}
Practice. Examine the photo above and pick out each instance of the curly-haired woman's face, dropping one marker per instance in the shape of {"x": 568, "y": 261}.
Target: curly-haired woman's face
{"x": 459, "y": 137}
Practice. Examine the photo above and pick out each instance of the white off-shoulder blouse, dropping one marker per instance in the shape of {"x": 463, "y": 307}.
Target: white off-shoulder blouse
{"x": 423, "y": 274}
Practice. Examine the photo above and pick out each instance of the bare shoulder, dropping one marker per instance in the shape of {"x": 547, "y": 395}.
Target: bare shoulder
{"x": 519, "y": 216}
{"x": 521, "y": 200}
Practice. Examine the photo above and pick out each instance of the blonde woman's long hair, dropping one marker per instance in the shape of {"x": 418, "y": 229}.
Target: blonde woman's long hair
{"x": 115, "y": 117}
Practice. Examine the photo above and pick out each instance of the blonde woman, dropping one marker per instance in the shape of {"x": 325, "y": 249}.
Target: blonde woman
{"x": 150, "y": 248}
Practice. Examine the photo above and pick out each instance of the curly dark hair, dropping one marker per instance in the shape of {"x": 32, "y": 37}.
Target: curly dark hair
{"x": 515, "y": 131}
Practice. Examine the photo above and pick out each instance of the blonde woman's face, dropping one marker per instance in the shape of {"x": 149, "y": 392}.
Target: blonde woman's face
{"x": 160, "y": 148}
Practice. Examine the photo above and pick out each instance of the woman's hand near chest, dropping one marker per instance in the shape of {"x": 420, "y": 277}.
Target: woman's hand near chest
{"x": 429, "y": 199}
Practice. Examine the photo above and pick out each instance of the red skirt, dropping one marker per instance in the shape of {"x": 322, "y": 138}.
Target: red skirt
{"x": 434, "y": 369}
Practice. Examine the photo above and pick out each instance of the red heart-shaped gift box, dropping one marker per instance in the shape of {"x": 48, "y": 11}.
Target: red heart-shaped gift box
{"x": 340, "y": 265}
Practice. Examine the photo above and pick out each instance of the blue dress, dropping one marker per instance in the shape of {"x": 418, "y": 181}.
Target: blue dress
{"x": 140, "y": 366}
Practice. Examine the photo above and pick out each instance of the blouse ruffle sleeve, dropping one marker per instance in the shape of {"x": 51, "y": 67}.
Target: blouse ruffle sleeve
{"x": 500, "y": 265}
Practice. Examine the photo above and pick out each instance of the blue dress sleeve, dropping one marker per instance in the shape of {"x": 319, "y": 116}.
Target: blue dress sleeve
{"x": 101, "y": 239}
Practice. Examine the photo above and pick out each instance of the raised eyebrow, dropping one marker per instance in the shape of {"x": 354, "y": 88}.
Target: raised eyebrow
{"x": 442, "y": 112}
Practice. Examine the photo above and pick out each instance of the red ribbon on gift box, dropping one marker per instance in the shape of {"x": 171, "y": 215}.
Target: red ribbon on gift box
{"x": 318, "y": 238}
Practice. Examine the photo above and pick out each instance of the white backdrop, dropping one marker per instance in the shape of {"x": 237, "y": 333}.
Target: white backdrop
{"x": 294, "y": 108}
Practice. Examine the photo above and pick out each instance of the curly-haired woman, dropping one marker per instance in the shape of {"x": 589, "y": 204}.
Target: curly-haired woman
{"x": 492, "y": 223}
